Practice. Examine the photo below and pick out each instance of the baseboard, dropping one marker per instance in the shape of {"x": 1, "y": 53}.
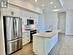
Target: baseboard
{"x": 69, "y": 34}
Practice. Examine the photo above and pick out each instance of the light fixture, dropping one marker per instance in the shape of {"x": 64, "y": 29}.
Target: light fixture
{"x": 42, "y": 5}
{"x": 36, "y": 0}
{"x": 51, "y": 2}
{"x": 55, "y": 6}
{"x": 55, "y": 10}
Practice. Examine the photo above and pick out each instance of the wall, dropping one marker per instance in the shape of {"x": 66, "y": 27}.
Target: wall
{"x": 51, "y": 20}
{"x": 69, "y": 22}
{"x": 2, "y": 45}
{"x": 41, "y": 23}
{"x": 62, "y": 21}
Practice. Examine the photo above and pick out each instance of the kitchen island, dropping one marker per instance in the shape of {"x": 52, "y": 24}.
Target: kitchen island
{"x": 43, "y": 42}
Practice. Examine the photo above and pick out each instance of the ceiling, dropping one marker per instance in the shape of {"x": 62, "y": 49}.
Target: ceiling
{"x": 68, "y": 4}
{"x": 46, "y": 4}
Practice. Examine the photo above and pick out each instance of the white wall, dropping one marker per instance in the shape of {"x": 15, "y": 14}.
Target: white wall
{"x": 62, "y": 21}
{"x": 69, "y": 22}
{"x": 2, "y": 45}
{"x": 41, "y": 23}
{"x": 51, "y": 19}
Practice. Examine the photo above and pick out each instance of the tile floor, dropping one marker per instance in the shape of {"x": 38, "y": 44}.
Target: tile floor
{"x": 63, "y": 47}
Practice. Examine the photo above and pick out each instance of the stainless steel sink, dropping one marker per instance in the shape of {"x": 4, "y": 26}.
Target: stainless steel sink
{"x": 48, "y": 31}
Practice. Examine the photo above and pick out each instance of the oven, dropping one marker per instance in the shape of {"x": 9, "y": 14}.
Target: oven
{"x": 31, "y": 34}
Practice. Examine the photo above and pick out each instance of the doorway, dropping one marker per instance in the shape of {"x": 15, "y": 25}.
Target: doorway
{"x": 62, "y": 21}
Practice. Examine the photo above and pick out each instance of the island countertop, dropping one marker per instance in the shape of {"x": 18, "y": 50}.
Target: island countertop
{"x": 46, "y": 34}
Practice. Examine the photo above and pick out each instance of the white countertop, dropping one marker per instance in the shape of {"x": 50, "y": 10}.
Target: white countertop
{"x": 46, "y": 34}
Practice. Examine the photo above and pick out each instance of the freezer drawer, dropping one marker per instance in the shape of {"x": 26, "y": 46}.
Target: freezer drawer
{"x": 19, "y": 45}
{"x": 12, "y": 47}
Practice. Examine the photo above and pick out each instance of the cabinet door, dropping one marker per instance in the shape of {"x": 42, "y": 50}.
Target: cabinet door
{"x": 38, "y": 45}
{"x": 26, "y": 37}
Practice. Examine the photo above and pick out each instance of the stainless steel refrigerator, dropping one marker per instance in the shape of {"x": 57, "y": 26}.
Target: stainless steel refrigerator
{"x": 12, "y": 34}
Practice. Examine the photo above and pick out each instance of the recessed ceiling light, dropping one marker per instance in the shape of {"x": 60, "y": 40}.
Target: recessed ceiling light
{"x": 55, "y": 7}
{"x": 36, "y": 0}
{"x": 51, "y": 2}
{"x": 42, "y": 5}
{"x": 56, "y": 10}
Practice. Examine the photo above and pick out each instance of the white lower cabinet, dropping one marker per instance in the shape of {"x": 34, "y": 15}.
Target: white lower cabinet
{"x": 25, "y": 37}
{"x": 38, "y": 46}
{"x": 42, "y": 46}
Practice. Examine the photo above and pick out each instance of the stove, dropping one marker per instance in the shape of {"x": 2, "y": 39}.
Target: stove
{"x": 31, "y": 34}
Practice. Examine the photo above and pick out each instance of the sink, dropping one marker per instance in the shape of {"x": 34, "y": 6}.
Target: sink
{"x": 48, "y": 31}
